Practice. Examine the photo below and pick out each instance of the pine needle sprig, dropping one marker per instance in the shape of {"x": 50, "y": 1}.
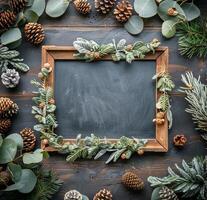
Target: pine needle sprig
{"x": 189, "y": 181}
{"x": 10, "y": 59}
{"x": 192, "y": 38}
{"x": 196, "y": 96}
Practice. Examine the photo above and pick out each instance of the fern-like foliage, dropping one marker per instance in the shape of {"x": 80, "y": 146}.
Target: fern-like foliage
{"x": 190, "y": 181}
{"x": 10, "y": 59}
{"x": 193, "y": 38}
{"x": 47, "y": 185}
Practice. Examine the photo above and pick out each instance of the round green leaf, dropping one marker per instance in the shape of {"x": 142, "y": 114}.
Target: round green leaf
{"x": 38, "y": 7}
{"x": 11, "y": 36}
{"x": 16, "y": 171}
{"x": 163, "y": 9}
{"x": 8, "y": 151}
{"x": 145, "y": 8}
{"x": 155, "y": 194}
{"x": 21, "y": 20}
{"x": 168, "y": 29}
{"x": 26, "y": 183}
{"x": 134, "y": 25}
{"x": 17, "y": 139}
{"x": 56, "y": 8}
{"x": 1, "y": 140}
{"x": 33, "y": 158}
{"x": 31, "y": 16}
{"x": 191, "y": 11}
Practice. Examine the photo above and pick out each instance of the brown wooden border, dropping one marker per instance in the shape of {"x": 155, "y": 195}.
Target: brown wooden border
{"x": 52, "y": 53}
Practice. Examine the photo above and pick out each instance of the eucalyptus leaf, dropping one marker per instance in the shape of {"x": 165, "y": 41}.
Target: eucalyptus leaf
{"x": 1, "y": 140}
{"x": 31, "y": 16}
{"x": 168, "y": 28}
{"x": 191, "y": 11}
{"x": 56, "y": 8}
{"x": 17, "y": 139}
{"x": 134, "y": 25}
{"x": 163, "y": 10}
{"x": 145, "y": 8}
{"x": 33, "y": 158}
{"x": 155, "y": 194}
{"x": 16, "y": 171}
{"x": 21, "y": 20}
{"x": 38, "y": 7}
{"x": 11, "y": 36}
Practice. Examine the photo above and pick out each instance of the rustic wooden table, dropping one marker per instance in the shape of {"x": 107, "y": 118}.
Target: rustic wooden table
{"x": 90, "y": 176}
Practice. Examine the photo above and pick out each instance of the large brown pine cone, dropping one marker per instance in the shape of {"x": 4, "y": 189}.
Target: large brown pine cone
{"x": 34, "y": 33}
{"x": 166, "y": 193}
{"x": 17, "y": 5}
{"x": 82, "y": 6}
{"x": 5, "y": 178}
{"x": 29, "y": 139}
{"x": 132, "y": 181}
{"x": 5, "y": 125}
{"x": 104, "y": 6}
{"x": 123, "y": 11}
{"x": 7, "y": 108}
{"x": 7, "y": 19}
{"x": 103, "y": 194}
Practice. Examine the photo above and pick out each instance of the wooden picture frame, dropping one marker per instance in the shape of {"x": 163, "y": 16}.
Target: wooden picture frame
{"x": 50, "y": 54}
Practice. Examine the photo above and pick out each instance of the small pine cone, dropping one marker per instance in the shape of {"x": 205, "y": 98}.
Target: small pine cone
{"x": 5, "y": 125}
{"x": 132, "y": 181}
{"x": 179, "y": 140}
{"x": 104, "y": 6}
{"x": 73, "y": 195}
{"x": 17, "y": 5}
{"x": 10, "y": 78}
{"x": 5, "y": 178}
{"x": 34, "y": 33}
{"x": 7, "y": 108}
{"x": 7, "y": 19}
{"x": 103, "y": 194}
{"x": 29, "y": 139}
{"x": 123, "y": 11}
{"x": 166, "y": 193}
{"x": 82, "y": 6}
{"x": 172, "y": 11}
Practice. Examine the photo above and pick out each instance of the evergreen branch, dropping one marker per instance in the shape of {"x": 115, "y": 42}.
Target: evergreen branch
{"x": 192, "y": 38}
{"x": 196, "y": 96}
{"x": 189, "y": 181}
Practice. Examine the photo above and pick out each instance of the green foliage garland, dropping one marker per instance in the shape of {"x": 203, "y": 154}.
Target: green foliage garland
{"x": 189, "y": 181}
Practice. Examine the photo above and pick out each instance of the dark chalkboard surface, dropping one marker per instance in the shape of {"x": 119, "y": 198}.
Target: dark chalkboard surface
{"x": 105, "y": 98}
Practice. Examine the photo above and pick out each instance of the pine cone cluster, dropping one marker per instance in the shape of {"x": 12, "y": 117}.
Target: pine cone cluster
{"x": 166, "y": 193}
{"x": 29, "y": 139}
{"x": 123, "y": 11}
{"x": 17, "y": 5}
{"x": 82, "y": 6}
{"x": 5, "y": 178}
{"x": 10, "y": 78}
{"x": 5, "y": 125}
{"x": 34, "y": 33}
{"x": 7, "y": 108}
{"x": 103, "y": 194}
{"x": 7, "y": 19}
{"x": 104, "y": 6}
{"x": 73, "y": 195}
{"x": 132, "y": 181}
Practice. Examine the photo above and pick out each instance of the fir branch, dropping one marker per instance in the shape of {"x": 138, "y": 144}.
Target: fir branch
{"x": 196, "y": 96}
{"x": 189, "y": 181}
{"x": 192, "y": 38}
{"x": 9, "y": 59}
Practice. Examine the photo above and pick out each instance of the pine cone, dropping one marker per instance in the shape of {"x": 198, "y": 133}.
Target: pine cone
{"x": 10, "y": 78}
{"x": 103, "y": 194}
{"x": 5, "y": 178}
{"x": 179, "y": 140}
{"x": 34, "y": 33}
{"x": 104, "y": 6}
{"x": 132, "y": 181}
{"x": 29, "y": 139}
{"x": 167, "y": 194}
{"x": 123, "y": 11}
{"x": 7, "y": 108}
{"x": 5, "y": 125}
{"x": 82, "y": 6}
{"x": 17, "y": 5}
{"x": 73, "y": 195}
{"x": 7, "y": 19}
{"x": 172, "y": 11}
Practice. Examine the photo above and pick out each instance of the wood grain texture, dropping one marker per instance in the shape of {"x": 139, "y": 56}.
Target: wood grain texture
{"x": 90, "y": 176}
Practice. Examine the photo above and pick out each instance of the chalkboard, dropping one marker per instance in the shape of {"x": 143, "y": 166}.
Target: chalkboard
{"x": 106, "y": 98}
